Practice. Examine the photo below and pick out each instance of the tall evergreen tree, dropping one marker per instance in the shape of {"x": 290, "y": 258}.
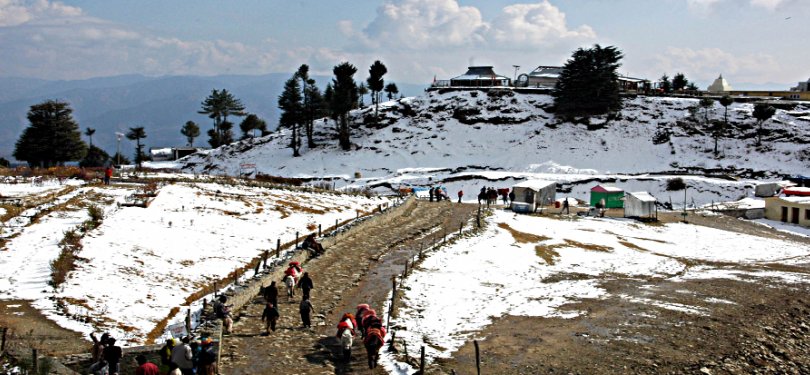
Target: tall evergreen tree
{"x": 190, "y": 130}
{"x": 344, "y": 99}
{"x": 53, "y": 137}
{"x": 391, "y": 90}
{"x": 289, "y": 102}
{"x": 679, "y": 82}
{"x": 588, "y": 84}
{"x": 666, "y": 85}
{"x": 218, "y": 106}
{"x": 250, "y": 124}
{"x": 376, "y": 83}
{"x": 762, "y": 112}
{"x": 89, "y": 133}
{"x": 136, "y": 134}
{"x": 362, "y": 90}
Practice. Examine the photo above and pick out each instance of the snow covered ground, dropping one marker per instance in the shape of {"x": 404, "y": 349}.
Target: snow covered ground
{"x": 510, "y": 269}
{"x": 142, "y": 262}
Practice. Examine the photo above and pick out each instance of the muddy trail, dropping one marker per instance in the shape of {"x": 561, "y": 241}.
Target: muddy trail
{"x": 358, "y": 269}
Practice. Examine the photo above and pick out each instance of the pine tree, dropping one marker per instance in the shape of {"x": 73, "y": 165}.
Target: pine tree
{"x": 289, "y": 102}
{"x": 190, "y": 130}
{"x": 344, "y": 99}
{"x": 95, "y": 157}
{"x": 588, "y": 84}
{"x": 376, "y": 83}
{"x": 762, "y": 112}
{"x": 136, "y": 134}
{"x": 53, "y": 137}
{"x": 89, "y": 133}
{"x": 666, "y": 85}
{"x": 679, "y": 82}
{"x": 251, "y": 123}
{"x": 218, "y": 106}
{"x": 392, "y": 90}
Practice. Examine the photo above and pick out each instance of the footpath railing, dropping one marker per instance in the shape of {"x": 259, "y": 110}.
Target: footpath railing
{"x": 242, "y": 289}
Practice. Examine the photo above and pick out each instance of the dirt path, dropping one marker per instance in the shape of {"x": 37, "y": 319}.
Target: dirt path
{"x": 358, "y": 269}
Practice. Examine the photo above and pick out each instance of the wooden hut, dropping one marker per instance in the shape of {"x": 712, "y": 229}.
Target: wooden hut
{"x": 612, "y": 195}
{"x": 531, "y": 194}
{"x": 640, "y": 205}
{"x": 480, "y": 76}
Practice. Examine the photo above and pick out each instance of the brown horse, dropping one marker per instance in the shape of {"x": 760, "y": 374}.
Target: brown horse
{"x": 373, "y": 342}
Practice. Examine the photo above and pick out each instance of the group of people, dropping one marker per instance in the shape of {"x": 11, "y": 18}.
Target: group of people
{"x": 294, "y": 278}
{"x": 490, "y": 195}
{"x": 187, "y": 357}
{"x": 439, "y": 193}
{"x": 371, "y": 331}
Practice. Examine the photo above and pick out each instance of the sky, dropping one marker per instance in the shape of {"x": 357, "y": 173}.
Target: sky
{"x": 757, "y": 42}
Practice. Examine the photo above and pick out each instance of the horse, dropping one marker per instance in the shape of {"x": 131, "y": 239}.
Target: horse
{"x": 373, "y": 342}
{"x": 289, "y": 281}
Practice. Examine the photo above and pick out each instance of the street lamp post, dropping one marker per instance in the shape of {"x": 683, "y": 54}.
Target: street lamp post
{"x": 516, "y": 70}
{"x": 118, "y": 136}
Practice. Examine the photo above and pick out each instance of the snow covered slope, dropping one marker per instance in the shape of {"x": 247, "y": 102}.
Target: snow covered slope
{"x": 507, "y": 131}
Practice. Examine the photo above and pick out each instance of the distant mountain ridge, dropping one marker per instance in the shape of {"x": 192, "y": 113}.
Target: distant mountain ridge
{"x": 160, "y": 104}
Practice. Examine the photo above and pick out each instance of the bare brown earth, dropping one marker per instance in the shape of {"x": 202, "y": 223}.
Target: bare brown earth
{"x": 358, "y": 269}
{"x": 28, "y": 328}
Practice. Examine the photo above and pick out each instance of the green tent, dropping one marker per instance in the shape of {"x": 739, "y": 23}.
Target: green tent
{"x": 611, "y": 194}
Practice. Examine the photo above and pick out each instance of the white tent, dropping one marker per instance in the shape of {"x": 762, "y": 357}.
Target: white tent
{"x": 641, "y": 205}
{"x": 532, "y": 194}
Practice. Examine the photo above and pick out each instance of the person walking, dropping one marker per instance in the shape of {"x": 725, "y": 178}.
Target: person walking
{"x": 306, "y": 284}
{"x": 305, "y": 308}
{"x": 460, "y": 194}
{"x": 271, "y": 294}
{"x": 270, "y": 316}
{"x": 112, "y": 354}
{"x": 181, "y": 356}
{"x": 144, "y": 367}
{"x": 98, "y": 345}
{"x": 430, "y": 192}
{"x": 166, "y": 355}
{"x": 512, "y": 196}
{"x": 108, "y": 172}
{"x": 208, "y": 358}
{"x": 565, "y": 207}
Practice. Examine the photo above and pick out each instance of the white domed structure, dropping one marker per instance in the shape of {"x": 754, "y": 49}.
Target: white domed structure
{"x": 719, "y": 85}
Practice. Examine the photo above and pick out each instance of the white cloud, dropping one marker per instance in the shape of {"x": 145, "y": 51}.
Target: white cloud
{"x": 707, "y": 63}
{"x": 767, "y": 4}
{"x": 702, "y": 7}
{"x": 17, "y": 12}
{"x": 535, "y": 25}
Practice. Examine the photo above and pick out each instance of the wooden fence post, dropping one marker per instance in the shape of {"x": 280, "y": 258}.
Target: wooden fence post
{"x": 265, "y": 258}
{"x": 34, "y": 361}
{"x": 391, "y": 307}
{"x": 319, "y": 230}
{"x": 336, "y": 224}
{"x": 460, "y": 227}
{"x": 278, "y": 247}
{"x": 406, "y": 268}
{"x": 215, "y": 289}
{"x": 3, "y": 343}
{"x": 477, "y": 357}
{"x": 188, "y": 322}
{"x": 478, "y": 217}
{"x": 296, "y": 240}
{"x": 256, "y": 270}
{"x": 422, "y": 361}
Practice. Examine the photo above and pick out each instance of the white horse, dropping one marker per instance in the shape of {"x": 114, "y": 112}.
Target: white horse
{"x": 289, "y": 281}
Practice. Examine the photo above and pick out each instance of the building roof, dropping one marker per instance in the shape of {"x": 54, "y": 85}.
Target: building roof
{"x": 719, "y": 85}
{"x": 546, "y": 72}
{"x": 536, "y": 185}
{"x": 793, "y": 190}
{"x": 606, "y": 189}
{"x": 479, "y": 73}
{"x": 799, "y": 200}
{"x": 642, "y": 196}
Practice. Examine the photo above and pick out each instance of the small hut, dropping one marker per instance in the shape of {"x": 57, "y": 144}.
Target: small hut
{"x": 531, "y": 194}
{"x": 640, "y": 205}
{"x": 612, "y": 195}
{"x": 480, "y": 76}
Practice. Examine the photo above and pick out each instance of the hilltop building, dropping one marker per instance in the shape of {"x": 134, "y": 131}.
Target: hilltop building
{"x": 719, "y": 85}
{"x": 480, "y": 76}
{"x": 802, "y": 87}
{"x": 547, "y": 77}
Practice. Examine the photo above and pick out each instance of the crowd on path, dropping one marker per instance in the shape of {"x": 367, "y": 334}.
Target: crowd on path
{"x": 187, "y": 356}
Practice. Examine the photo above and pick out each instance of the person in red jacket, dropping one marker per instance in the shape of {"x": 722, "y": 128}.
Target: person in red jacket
{"x": 144, "y": 367}
{"x": 460, "y": 194}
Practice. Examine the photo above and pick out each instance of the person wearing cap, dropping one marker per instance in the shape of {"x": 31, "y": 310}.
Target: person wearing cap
{"x": 181, "y": 355}
{"x": 113, "y": 354}
{"x": 144, "y": 367}
{"x": 208, "y": 358}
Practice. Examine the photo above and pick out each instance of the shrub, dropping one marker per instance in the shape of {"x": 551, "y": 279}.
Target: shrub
{"x": 96, "y": 214}
{"x": 71, "y": 244}
{"x": 675, "y": 184}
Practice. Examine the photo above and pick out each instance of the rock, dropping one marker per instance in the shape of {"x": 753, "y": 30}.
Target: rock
{"x": 705, "y": 370}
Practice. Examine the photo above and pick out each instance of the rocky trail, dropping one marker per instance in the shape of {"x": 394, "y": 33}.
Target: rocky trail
{"x": 357, "y": 269}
